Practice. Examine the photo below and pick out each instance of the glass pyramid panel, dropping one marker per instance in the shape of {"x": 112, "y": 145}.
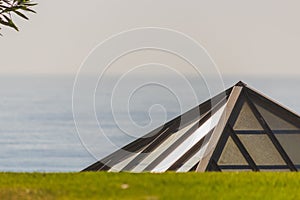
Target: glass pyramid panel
{"x": 275, "y": 122}
{"x": 261, "y": 149}
{"x": 291, "y": 145}
{"x": 246, "y": 119}
{"x": 231, "y": 155}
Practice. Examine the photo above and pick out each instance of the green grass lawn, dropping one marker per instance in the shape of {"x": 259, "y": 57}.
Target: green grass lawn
{"x": 104, "y": 185}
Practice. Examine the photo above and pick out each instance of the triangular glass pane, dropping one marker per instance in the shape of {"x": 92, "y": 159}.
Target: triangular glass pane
{"x": 246, "y": 120}
{"x": 231, "y": 155}
{"x": 261, "y": 149}
{"x": 291, "y": 145}
{"x": 274, "y": 121}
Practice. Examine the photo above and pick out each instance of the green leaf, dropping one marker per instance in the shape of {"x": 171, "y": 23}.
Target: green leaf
{"x": 27, "y": 9}
{"x": 20, "y": 14}
{"x": 8, "y": 7}
{"x": 9, "y": 23}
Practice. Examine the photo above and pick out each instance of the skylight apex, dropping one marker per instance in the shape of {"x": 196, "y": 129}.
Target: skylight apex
{"x": 241, "y": 84}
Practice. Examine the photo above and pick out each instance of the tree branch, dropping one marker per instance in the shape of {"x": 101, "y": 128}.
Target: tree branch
{"x": 8, "y": 8}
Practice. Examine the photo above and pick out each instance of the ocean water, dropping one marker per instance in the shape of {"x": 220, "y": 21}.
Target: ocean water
{"x": 37, "y": 127}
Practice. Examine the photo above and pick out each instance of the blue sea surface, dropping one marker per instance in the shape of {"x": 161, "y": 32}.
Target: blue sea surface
{"x": 38, "y": 132}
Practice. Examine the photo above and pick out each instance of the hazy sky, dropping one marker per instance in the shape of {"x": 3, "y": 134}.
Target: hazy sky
{"x": 243, "y": 37}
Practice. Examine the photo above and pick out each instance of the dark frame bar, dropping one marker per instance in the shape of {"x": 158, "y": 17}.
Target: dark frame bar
{"x": 270, "y": 134}
{"x": 242, "y": 149}
{"x": 224, "y": 135}
{"x": 213, "y": 166}
{"x": 270, "y": 167}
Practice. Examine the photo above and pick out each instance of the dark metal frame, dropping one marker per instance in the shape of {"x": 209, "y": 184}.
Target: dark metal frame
{"x": 242, "y": 149}
{"x": 237, "y": 96}
{"x": 217, "y": 138}
{"x": 271, "y": 135}
{"x": 247, "y": 96}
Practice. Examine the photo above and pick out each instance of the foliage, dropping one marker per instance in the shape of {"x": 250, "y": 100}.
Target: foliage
{"x": 104, "y": 185}
{"x": 16, "y": 7}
